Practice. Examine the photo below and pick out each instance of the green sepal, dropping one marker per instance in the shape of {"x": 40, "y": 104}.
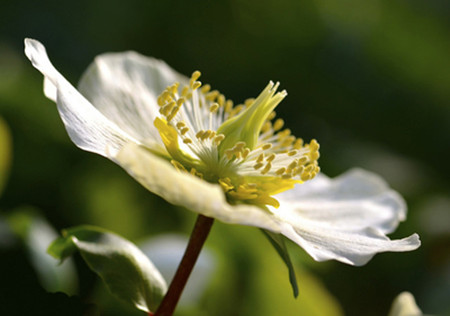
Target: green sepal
{"x": 277, "y": 242}
{"x": 126, "y": 270}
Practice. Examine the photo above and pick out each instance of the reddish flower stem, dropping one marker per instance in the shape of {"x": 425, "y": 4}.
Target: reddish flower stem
{"x": 198, "y": 237}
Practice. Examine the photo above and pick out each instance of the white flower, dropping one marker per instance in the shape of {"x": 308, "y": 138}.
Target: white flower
{"x": 194, "y": 148}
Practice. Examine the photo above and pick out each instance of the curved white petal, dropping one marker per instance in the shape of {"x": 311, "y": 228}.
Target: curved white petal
{"x": 355, "y": 247}
{"x": 86, "y": 126}
{"x": 183, "y": 189}
{"x": 354, "y": 200}
{"x": 124, "y": 87}
{"x": 345, "y": 218}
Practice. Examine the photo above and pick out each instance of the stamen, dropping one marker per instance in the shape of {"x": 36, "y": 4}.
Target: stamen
{"x": 184, "y": 130}
{"x": 214, "y": 107}
{"x": 258, "y": 165}
{"x": 218, "y": 139}
{"x": 196, "y": 85}
{"x": 180, "y": 124}
{"x": 205, "y": 89}
{"x": 278, "y": 124}
{"x": 260, "y": 158}
{"x": 195, "y": 75}
{"x": 266, "y": 168}
{"x": 178, "y": 165}
{"x": 270, "y": 158}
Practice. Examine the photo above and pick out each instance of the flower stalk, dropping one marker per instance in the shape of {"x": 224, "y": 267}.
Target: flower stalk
{"x": 196, "y": 241}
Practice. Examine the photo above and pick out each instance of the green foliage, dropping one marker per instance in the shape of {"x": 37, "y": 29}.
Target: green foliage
{"x": 35, "y": 234}
{"x": 277, "y": 242}
{"x": 126, "y": 271}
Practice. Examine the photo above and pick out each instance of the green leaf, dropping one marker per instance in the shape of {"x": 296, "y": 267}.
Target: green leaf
{"x": 126, "y": 270}
{"x": 36, "y": 234}
{"x": 277, "y": 242}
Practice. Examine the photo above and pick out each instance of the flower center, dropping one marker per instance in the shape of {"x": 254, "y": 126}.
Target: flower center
{"x": 242, "y": 148}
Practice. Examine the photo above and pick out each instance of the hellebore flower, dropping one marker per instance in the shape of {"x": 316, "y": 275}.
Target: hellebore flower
{"x": 193, "y": 147}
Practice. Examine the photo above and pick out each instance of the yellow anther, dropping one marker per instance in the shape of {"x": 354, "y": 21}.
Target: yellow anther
{"x": 267, "y": 146}
{"x": 271, "y": 115}
{"x": 229, "y": 153}
{"x": 174, "y": 88}
{"x": 310, "y": 168}
{"x": 226, "y": 184}
{"x": 287, "y": 142}
{"x": 184, "y": 130}
{"x": 166, "y": 109}
{"x": 239, "y": 145}
{"x": 177, "y": 165}
{"x": 286, "y": 176}
{"x": 189, "y": 95}
{"x": 284, "y": 133}
{"x": 298, "y": 143}
{"x": 180, "y": 124}
{"x": 214, "y": 107}
{"x": 270, "y": 158}
{"x": 292, "y": 165}
{"x": 235, "y": 111}
{"x": 195, "y": 85}
{"x": 260, "y": 158}
{"x": 266, "y": 168}
{"x": 303, "y": 160}
{"x": 280, "y": 171}
{"x": 314, "y": 155}
{"x": 199, "y": 134}
{"x": 162, "y": 98}
{"x": 180, "y": 101}
{"x": 305, "y": 176}
{"x": 228, "y": 106}
{"x": 173, "y": 113}
{"x": 314, "y": 145}
{"x": 206, "y": 134}
{"x": 266, "y": 127}
{"x": 279, "y": 123}
{"x": 249, "y": 102}
{"x": 195, "y": 75}
{"x": 258, "y": 165}
{"x": 298, "y": 171}
{"x": 292, "y": 153}
{"x": 211, "y": 96}
{"x": 185, "y": 91}
{"x": 218, "y": 139}
{"x": 221, "y": 99}
{"x": 245, "y": 153}
{"x": 205, "y": 88}
{"x": 187, "y": 141}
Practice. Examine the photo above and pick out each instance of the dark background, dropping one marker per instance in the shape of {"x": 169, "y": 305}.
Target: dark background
{"x": 369, "y": 80}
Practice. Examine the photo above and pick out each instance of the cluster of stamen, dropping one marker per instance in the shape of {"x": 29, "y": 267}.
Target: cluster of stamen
{"x": 196, "y": 112}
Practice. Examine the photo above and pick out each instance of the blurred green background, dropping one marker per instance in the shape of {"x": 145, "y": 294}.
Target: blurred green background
{"x": 369, "y": 79}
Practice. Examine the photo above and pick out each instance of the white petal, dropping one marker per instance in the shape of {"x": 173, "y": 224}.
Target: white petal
{"x": 183, "y": 189}
{"x": 345, "y": 219}
{"x": 124, "y": 87}
{"x": 354, "y": 247}
{"x": 354, "y": 200}
{"x": 86, "y": 126}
